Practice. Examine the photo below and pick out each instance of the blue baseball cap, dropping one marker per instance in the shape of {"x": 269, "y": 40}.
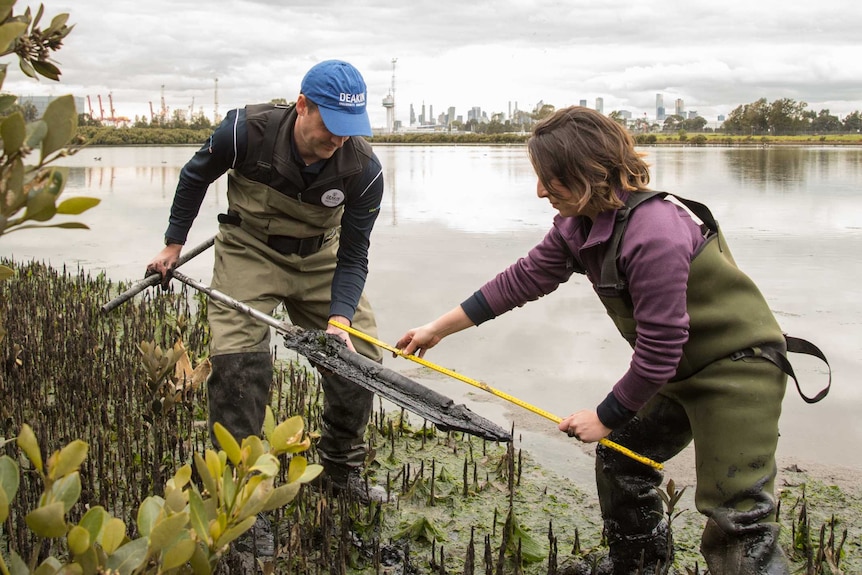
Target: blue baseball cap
{"x": 340, "y": 94}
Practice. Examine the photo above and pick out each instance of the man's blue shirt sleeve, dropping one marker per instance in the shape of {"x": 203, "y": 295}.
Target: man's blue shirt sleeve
{"x": 224, "y": 149}
{"x": 360, "y": 213}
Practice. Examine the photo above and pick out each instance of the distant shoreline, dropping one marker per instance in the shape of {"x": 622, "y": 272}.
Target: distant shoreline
{"x": 101, "y": 136}
{"x": 649, "y": 139}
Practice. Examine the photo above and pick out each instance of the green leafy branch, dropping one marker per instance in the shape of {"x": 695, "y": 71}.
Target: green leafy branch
{"x": 186, "y": 531}
{"x": 29, "y": 193}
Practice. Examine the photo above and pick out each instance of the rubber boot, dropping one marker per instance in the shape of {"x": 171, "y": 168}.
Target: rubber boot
{"x": 639, "y": 539}
{"x": 238, "y": 392}
{"x": 736, "y": 549}
{"x": 252, "y": 552}
{"x": 346, "y": 481}
{"x": 346, "y": 411}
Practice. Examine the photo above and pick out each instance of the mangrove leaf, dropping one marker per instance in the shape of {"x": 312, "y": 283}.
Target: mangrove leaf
{"x": 48, "y": 520}
{"x": 128, "y": 557}
{"x": 27, "y": 442}
{"x": 62, "y": 121}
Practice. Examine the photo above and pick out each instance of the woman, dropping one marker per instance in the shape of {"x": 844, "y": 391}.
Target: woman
{"x": 662, "y": 269}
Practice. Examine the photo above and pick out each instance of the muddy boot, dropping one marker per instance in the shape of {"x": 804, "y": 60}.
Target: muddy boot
{"x": 346, "y": 411}
{"x": 733, "y": 549}
{"x": 629, "y": 555}
{"x": 237, "y": 563}
{"x": 238, "y": 393}
{"x": 639, "y": 539}
{"x": 345, "y": 481}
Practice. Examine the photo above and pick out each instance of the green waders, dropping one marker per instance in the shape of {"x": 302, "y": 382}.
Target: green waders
{"x": 730, "y": 409}
{"x": 239, "y": 387}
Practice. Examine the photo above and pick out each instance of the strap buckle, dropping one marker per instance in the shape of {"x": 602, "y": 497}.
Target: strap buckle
{"x": 303, "y": 247}
{"x": 747, "y": 352}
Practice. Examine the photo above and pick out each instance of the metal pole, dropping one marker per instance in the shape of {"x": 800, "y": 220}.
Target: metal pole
{"x": 282, "y": 327}
{"x": 154, "y": 279}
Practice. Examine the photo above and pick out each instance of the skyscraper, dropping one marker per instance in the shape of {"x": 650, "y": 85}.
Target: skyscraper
{"x": 659, "y": 108}
{"x": 600, "y": 105}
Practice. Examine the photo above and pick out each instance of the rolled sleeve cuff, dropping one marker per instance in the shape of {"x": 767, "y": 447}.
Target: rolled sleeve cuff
{"x": 176, "y": 234}
{"x": 612, "y": 413}
{"x": 477, "y": 309}
{"x": 342, "y": 309}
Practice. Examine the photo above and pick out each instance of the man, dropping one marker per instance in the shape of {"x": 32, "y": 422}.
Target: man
{"x": 303, "y": 196}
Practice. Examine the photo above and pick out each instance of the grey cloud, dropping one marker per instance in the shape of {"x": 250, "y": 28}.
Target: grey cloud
{"x": 715, "y": 55}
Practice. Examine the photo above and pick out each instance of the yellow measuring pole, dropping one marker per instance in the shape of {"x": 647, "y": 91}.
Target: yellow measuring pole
{"x": 556, "y": 419}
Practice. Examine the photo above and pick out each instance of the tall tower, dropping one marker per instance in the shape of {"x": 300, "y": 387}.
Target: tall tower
{"x": 164, "y": 111}
{"x": 215, "y": 104}
{"x": 659, "y": 108}
{"x": 389, "y": 103}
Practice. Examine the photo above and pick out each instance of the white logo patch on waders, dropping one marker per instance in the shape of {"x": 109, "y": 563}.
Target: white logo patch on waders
{"x": 332, "y": 198}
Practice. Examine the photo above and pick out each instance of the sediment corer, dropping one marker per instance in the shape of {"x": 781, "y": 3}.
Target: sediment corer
{"x": 329, "y": 352}
{"x": 555, "y": 418}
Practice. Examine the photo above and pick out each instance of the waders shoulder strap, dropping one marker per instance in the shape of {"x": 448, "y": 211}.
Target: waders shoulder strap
{"x": 779, "y": 358}
{"x": 274, "y": 121}
{"x": 610, "y": 274}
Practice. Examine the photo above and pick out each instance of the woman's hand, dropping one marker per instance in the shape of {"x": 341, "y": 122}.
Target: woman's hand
{"x": 585, "y": 426}
{"x": 421, "y": 339}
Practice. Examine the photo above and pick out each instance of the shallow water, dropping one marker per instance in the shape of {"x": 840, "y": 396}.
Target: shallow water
{"x": 455, "y": 216}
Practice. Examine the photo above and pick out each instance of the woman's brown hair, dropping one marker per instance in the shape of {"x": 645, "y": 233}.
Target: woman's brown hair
{"x": 589, "y": 154}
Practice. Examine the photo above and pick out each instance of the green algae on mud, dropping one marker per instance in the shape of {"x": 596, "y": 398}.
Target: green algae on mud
{"x": 546, "y": 504}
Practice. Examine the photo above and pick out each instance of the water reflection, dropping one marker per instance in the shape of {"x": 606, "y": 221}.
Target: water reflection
{"x": 478, "y": 189}
{"x": 782, "y": 169}
{"x": 483, "y": 189}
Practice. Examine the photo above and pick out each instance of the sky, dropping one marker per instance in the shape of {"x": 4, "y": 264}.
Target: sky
{"x": 498, "y": 55}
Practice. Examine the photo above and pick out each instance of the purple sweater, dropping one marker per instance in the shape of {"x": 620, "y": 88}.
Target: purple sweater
{"x": 656, "y": 253}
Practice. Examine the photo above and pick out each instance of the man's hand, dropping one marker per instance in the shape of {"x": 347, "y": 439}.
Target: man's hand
{"x": 340, "y": 332}
{"x": 164, "y": 263}
{"x": 585, "y": 426}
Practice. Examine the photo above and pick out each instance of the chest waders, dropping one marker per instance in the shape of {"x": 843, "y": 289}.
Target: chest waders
{"x": 726, "y": 397}
{"x": 277, "y": 244}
